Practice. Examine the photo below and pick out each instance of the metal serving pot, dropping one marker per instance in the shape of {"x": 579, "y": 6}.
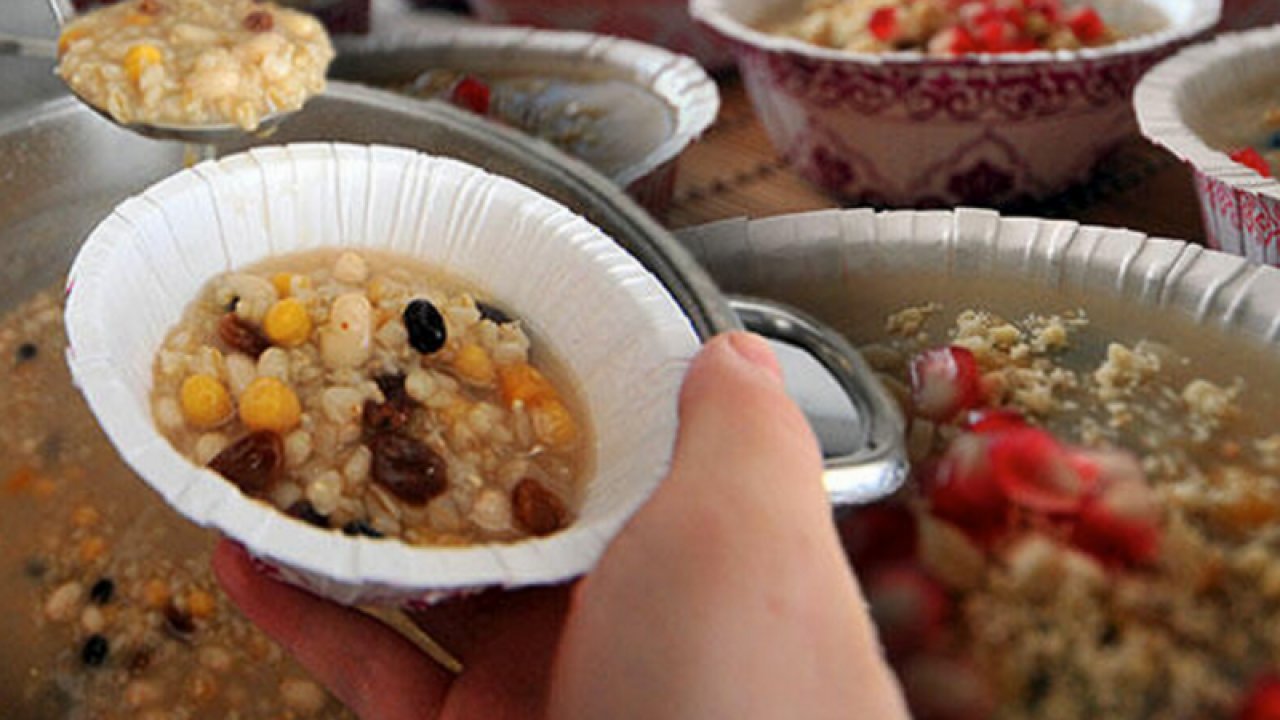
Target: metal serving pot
{"x": 62, "y": 169}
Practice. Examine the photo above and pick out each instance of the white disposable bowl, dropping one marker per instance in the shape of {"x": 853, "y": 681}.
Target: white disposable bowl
{"x": 1194, "y": 93}
{"x": 609, "y": 321}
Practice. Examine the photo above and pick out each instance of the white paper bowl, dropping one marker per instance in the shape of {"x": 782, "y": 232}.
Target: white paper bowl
{"x": 609, "y": 321}
{"x": 906, "y": 129}
{"x": 1195, "y": 91}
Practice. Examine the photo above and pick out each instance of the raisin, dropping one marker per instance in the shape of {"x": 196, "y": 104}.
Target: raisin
{"x": 493, "y": 313}
{"x": 427, "y": 333}
{"x": 95, "y": 650}
{"x": 241, "y": 336}
{"x": 408, "y": 468}
{"x": 361, "y": 527}
{"x": 385, "y": 417}
{"x": 149, "y": 7}
{"x": 141, "y": 660}
{"x": 306, "y": 512}
{"x": 27, "y": 352}
{"x": 102, "y": 591}
{"x": 254, "y": 462}
{"x": 179, "y": 620}
{"x": 536, "y": 509}
{"x": 259, "y": 21}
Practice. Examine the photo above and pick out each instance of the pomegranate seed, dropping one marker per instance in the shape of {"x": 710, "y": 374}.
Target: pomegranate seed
{"x": 995, "y": 35}
{"x": 1120, "y": 523}
{"x": 1035, "y": 472}
{"x": 909, "y": 608}
{"x": 877, "y": 535}
{"x": 944, "y": 382}
{"x": 1051, "y": 10}
{"x": 946, "y": 688}
{"x": 952, "y": 41}
{"x": 1113, "y": 539}
{"x": 962, "y": 491}
{"x": 884, "y": 23}
{"x": 1252, "y": 159}
{"x": 1086, "y": 24}
{"x": 1262, "y": 701}
{"x": 471, "y": 94}
{"x": 994, "y": 420}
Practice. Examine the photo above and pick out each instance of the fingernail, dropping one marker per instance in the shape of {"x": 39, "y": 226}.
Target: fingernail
{"x": 755, "y": 350}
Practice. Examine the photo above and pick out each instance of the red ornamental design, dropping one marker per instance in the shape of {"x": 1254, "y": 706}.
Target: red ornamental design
{"x": 958, "y": 91}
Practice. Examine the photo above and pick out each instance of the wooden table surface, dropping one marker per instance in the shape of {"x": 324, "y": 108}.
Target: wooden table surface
{"x": 734, "y": 171}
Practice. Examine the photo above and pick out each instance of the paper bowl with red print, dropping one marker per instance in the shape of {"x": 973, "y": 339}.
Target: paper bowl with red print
{"x": 909, "y": 129}
{"x": 1204, "y": 103}
{"x": 659, "y": 22}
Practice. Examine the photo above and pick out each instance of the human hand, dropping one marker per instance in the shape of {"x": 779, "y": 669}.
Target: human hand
{"x": 727, "y": 595}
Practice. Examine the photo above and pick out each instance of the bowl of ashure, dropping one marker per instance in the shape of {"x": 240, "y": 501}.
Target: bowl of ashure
{"x": 1090, "y": 529}
{"x": 1216, "y": 107}
{"x": 391, "y": 376}
{"x": 946, "y": 102}
{"x": 182, "y": 64}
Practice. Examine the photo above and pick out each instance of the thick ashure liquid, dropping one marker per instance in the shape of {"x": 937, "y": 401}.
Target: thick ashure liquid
{"x": 383, "y": 398}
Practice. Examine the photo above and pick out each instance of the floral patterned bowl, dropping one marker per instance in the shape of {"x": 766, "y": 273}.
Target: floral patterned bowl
{"x": 1207, "y": 97}
{"x": 904, "y": 129}
{"x": 658, "y": 22}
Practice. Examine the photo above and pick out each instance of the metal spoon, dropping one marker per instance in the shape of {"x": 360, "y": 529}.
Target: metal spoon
{"x": 205, "y": 135}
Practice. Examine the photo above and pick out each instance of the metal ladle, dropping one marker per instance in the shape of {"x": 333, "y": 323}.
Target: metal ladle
{"x": 204, "y": 136}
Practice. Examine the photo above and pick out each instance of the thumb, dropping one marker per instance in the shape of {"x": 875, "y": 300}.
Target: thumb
{"x": 727, "y": 595}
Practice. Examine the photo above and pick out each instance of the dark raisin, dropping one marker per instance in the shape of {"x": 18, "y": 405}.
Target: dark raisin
{"x": 254, "y": 462}
{"x": 149, "y": 7}
{"x": 306, "y": 512}
{"x": 259, "y": 21}
{"x": 95, "y": 650}
{"x": 240, "y": 335}
{"x": 425, "y": 324}
{"x": 386, "y": 417}
{"x": 493, "y": 313}
{"x": 179, "y": 620}
{"x": 536, "y": 509}
{"x": 392, "y": 387}
{"x": 102, "y": 591}
{"x": 360, "y": 527}
{"x": 140, "y": 660}
{"x": 408, "y": 468}
{"x": 27, "y": 352}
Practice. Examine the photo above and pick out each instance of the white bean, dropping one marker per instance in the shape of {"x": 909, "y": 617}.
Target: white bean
{"x": 346, "y": 341}
{"x": 274, "y": 362}
{"x": 325, "y": 492}
{"x": 351, "y": 269}
{"x": 241, "y": 371}
{"x": 64, "y": 603}
{"x": 492, "y": 511}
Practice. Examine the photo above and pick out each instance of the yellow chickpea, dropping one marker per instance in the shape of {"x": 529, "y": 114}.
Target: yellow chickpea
{"x": 474, "y": 365}
{"x": 268, "y": 404}
{"x": 205, "y": 401}
{"x": 287, "y": 323}
{"x": 522, "y": 383}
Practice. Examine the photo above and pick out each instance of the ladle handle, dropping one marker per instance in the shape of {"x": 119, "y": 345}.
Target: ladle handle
{"x": 62, "y": 11}
{"x": 877, "y": 466}
{"x": 27, "y": 46}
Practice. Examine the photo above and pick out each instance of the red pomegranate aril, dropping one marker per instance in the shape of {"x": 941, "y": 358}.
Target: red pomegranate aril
{"x": 944, "y": 382}
{"x": 995, "y": 35}
{"x": 878, "y": 535}
{"x": 962, "y": 491}
{"x": 953, "y": 41}
{"x": 1120, "y": 522}
{"x": 884, "y": 23}
{"x": 471, "y": 94}
{"x": 909, "y": 608}
{"x": 994, "y": 420}
{"x": 1252, "y": 159}
{"x": 1035, "y": 472}
{"x": 1262, "y": 702}
{"x": 1086, "y": 24}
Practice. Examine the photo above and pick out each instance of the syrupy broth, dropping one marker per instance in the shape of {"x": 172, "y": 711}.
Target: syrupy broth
{"x": 72, "y": 512}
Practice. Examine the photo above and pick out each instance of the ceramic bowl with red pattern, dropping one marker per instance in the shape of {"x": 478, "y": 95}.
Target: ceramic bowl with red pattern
{"x": 907, "y": 128}
{"x": 657, "y": 22}
{"x": 1216, "y": 107}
